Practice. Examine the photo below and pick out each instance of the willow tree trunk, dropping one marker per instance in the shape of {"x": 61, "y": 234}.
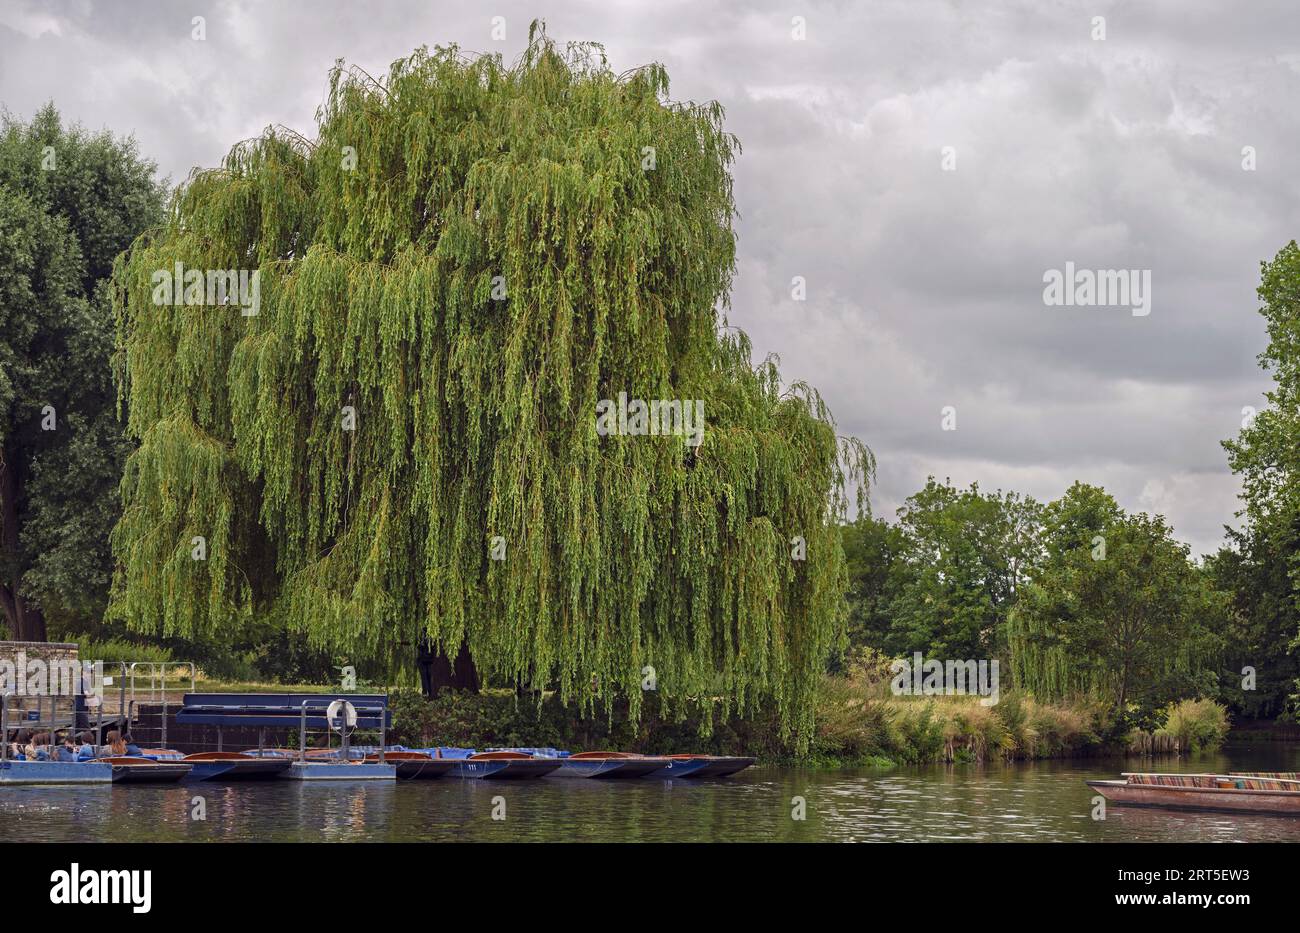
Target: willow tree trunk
{"x": 26, "y": 622}
{"x": 438, "y": 672}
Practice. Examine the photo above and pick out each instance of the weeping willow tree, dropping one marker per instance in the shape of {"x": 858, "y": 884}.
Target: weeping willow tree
{"x": 401, "y": 445}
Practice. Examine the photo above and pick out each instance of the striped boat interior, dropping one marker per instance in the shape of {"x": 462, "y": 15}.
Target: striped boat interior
{"x": 1270, "y": 780}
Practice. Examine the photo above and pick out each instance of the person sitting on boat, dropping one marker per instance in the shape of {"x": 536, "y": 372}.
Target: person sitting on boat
{"x": 38, "y": 749}
{"x": 63, "y": 751}
{"x": 131, "y": 747}
{"x": 74, "y": 747}
{"x": 87, "y": 747}
{"x": 18, "y": 748}
{"x": 116, "y": 745}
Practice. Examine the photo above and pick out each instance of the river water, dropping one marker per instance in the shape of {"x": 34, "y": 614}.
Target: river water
{"x": 1025, "y": 801}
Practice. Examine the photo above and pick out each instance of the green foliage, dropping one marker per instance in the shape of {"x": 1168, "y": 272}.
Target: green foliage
{"x": 69, "y": 202}
{"x": 1259, "y": 669}
{"x": 500, "y": 718}
{"x": 1077, "y": 596}
{"x": 875, "y": 553}
{"x": 476, "y": 411}
{"x": 858, "y": 722}
{"x": 969, "y": 551}
{"x": 1197, "y": 725}
{"x": 461, "y": 718}
{"x": 117, "y": 650}
{"x": 850, "y": 725}
{"x": 1116, "y": 607}
{"x": 1267, "y": 459}
{"x": 917, "y": 734}
{"x": 943, "y": 578}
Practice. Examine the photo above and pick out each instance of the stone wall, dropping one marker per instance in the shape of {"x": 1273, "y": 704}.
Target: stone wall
{"x": 43, "y": 702}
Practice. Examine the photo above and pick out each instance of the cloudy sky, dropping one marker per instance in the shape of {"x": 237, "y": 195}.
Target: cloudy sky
{"x": 920, "y": 163}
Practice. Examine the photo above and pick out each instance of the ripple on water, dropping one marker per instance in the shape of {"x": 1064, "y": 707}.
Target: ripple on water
{"x": 1040, "y": 801}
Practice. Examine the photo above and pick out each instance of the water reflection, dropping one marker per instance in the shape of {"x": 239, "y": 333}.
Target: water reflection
{"x": 1034, "y": 801}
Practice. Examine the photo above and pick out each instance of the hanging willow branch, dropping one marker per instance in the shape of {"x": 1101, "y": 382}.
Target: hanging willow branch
{"x": 475, "y": 411}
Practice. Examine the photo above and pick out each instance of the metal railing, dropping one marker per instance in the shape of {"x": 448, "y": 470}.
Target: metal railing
{"x": 4, "y": 726}
{"x": 343, "y": 731}
{"x": 157, "y": 686}
{"x": 132, "y": 694}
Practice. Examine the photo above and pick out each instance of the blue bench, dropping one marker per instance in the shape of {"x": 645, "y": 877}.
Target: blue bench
{"x": 284, "y": 710}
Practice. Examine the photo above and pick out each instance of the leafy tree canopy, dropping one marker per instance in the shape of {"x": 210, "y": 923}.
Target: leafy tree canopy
{"x": 1266, "y": 456}
{"x": 1116, "y": 608}
{"x": 70, "y": 201}
{"x": 942, "y": 579}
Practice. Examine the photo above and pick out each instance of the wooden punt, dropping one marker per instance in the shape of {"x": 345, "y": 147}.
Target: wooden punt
{"x": 55, "y": 772}
{"x": 224, "y": 766}
{"x": 130, "y": 769}
{"x": 327, "y": 764}
{"x": 705, "y": 766}
{"x": 608, "y": 765}
{"x": 413, "y": 766}
{"x": 503, "y": 766}
{"x": 1244, "y": 793}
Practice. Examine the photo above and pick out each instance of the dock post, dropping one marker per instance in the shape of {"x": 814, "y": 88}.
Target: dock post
{"x": 4, "y": 726}
{"x": 343, "y": 730}
{"x": 302, "y": 734}
{"x": 383, "y": 731}
{"x": 164, "y": 699}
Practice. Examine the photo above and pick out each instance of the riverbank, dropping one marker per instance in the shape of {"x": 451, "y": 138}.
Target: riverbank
{"x": 856, "y": 729}
{"x": 855, "y": 726}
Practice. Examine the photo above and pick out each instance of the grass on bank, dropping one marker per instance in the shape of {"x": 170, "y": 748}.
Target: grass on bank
{"x": 858, "y": 721}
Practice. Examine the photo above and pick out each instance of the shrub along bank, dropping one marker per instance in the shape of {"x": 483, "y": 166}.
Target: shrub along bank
{"x": 855, "y": 725}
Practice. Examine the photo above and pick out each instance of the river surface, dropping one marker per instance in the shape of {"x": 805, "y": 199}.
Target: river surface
{"x": 1028, "y": 801}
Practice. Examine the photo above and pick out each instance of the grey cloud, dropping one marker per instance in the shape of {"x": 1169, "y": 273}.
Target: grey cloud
{"x": 925, "y": 287}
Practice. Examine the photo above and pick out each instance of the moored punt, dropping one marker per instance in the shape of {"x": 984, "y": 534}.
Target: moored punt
{"x": 413, "y": 766}
{"x": 499, "y": 766}
{"x": 632, "y": 764}
{"x": 55, "y": 772}
{"x": 607, "y": 765}
{"x": 130, "y": 769}
{"x": 704, "y": 766}
{"x": 339, "y": 771}
{"x": 224, "y": 766}
{"x": 1236, "y": 793}
{"x": 325, "y": 764}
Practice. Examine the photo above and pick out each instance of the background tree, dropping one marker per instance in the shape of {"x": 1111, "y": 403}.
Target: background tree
{"x": 69, "y": 203}
{"x": 1116, "y": 608}
{"x": 1266, "y": 456}
{"x": 1260, "y": 668}
{"x": 875, "y": 553}
{"x": 466, "y": 260}
{"x": 965, "y": 557}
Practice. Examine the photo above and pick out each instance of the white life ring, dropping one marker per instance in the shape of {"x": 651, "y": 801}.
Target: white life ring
{"x": 341, "y": 709}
